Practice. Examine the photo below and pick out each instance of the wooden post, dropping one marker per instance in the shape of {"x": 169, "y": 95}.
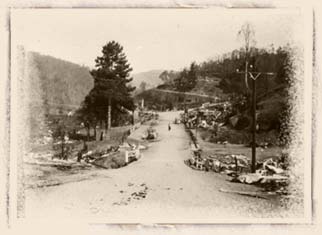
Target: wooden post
{"x": 236, "y": 164}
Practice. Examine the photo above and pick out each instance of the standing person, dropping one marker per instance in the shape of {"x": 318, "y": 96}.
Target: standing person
{"x": 169, "y": 127}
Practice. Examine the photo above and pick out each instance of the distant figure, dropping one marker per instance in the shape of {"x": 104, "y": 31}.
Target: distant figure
{"x": 169, "y": 127}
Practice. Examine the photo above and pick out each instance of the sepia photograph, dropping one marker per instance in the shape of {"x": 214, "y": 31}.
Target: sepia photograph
{"x": 161, "y": 115}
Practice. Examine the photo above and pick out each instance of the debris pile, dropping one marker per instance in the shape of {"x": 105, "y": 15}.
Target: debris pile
{"x": 114, "y": 156}
{"x": 228, "y": 164}
{"x": 151, "y": 134}
{"x": 146, "y": 116}
{"x": 271, "y": 174}
{"x": 63, "y": 149}
{"x": 209, "y": 115}
{"x": 177, "y": 121}
{"x": 113, "y": 161}
{"x": 220, "y": 122}
{"x": 91, "y": 156}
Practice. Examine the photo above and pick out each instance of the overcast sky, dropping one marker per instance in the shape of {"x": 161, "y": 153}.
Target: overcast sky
{"x": 152, "y": 38}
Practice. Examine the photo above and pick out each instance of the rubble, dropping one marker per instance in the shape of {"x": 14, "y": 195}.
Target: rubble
{"x": 142, "y": 147}
{"x": 274, "y": 169}
{"x": 115, "y": 160}
{"x": 114, "y": 156}
{"x": 249, "y": 178}
{"x": 208, "y": 116}
{"x": 151, "y": 134}
{"x": 146, "y": 116}
{"x": 177, "y": 121}
{"x": 275, "y": 182}
{"x": 271, "y": 174}
{"x": 230, "y": 162}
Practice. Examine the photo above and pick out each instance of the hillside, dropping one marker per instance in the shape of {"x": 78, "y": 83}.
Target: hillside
{"x": 62, "y": 83}
{"x": 53, "y": 86}
{"x": 151, "y": 78}
{"x": 208, "y": 86}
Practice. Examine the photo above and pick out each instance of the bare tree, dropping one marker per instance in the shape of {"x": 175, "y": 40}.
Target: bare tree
{"x": 247, "y": 34}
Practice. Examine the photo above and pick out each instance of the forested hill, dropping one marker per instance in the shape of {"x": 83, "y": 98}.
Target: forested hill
{"x": 61, "y": 82}
{"x": 150, "y": 78}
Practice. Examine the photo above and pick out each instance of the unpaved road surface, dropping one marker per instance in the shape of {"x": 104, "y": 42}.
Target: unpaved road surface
{"x": 159, "y": 188}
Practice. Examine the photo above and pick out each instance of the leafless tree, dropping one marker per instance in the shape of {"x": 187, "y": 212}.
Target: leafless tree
{"x": 247, "y": 34}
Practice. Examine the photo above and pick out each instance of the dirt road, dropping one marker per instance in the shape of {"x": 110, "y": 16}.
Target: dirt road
{"x": 157, "y": 188}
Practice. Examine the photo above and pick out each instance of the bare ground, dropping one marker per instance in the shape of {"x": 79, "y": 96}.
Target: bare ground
{"x": 158, "y": 188}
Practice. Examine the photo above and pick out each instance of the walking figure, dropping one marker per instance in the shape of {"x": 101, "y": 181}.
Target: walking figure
{"x": 169, "y": 127}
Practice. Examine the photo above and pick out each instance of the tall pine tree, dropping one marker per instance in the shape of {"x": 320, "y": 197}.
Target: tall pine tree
{"x": 112, "y": 91}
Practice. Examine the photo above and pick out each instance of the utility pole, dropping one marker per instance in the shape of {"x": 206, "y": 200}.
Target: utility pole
{"x": 254, "y": 122}
{"x": 254, "y": 76}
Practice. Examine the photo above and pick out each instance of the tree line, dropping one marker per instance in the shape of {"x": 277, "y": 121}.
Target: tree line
{"x": 272, "y": 91}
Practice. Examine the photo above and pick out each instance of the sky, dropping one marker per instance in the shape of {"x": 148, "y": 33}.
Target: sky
{"x": 152, "y": 38}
